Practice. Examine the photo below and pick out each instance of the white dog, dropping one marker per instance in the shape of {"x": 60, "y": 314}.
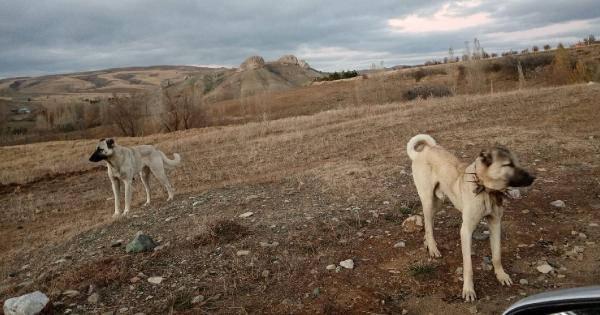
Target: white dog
{"x": 476, "y": 190}
{"x": 124, "y": 163}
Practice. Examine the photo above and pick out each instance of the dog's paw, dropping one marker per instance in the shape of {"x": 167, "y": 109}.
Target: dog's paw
{"x": 434, "y": 252}
{"x": 147, "y": 203}
{"x": 504, "y": 278}
{"x": 116, "y": 215}
{"x": 469, "y": 294}
{"x": 125, "y": 213}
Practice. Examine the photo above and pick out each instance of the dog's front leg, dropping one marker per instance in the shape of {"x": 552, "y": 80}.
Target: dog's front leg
{"x": 495, "y": 237}
{"x": 127, "y": 183}
{"x": 466, "y": 232}
{"x": 116, "y": 187}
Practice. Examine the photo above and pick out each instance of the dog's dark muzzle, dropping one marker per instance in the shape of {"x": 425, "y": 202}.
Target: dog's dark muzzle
{"x": 521, "y": 179}
{"x": 97, "y": 157}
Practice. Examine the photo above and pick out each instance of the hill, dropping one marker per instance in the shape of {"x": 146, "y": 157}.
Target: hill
{"x": 323, "y": 188}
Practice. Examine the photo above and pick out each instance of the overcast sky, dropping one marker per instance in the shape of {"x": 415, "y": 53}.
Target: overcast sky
{"x": 41, "y": 37}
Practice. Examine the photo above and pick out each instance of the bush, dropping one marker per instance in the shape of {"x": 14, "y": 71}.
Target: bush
{"x": 426, "y": 91}
{"x": 421, "y": 73}
{"x": 339, "y": 76}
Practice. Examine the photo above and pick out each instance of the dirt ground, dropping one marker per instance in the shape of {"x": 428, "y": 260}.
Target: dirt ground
{"x": 322, "y": 188}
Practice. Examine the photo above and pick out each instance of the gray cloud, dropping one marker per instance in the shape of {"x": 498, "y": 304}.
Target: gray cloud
{"x": 39, "y": 37}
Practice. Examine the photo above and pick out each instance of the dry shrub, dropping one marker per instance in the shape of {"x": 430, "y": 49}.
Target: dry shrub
{"x": 425, "y": 72}
{"x": 220, "y": 230}
{"x": 99, "y": 273}
{"x": 427, "y": 91}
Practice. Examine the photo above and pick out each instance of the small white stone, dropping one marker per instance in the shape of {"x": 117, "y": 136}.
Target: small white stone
{"x": 400, "y": 244}
{"x": 558, "y": 203}
{"x": 155, "y": 280}
{"x": 197, "y": 299}
{"x": 348, "y": 264}
{"x": 593, "y": 224}
{"x": 459, "y": 271}
{"x": 523, "y": 282}
{"x": 243, "y": 252}
{"x": 246, "y": 214}
{"x": 582, "y": 236}
{"x": 544, "y": 268}
{"x": 330, "y": 267}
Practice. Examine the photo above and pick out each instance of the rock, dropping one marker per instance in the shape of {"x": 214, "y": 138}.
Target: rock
{"x": 545, "y": 268}
{"x": 525, "y": 211}
{"x": 473, "y": 309}
{"x": 169, "y": 219}
{"x": 593, "y": 224}
{"x": 269, "y": 244}
{"x": 404, "y": 312}
{"x": 243, "y": 252}
{"x": 558, "y": 204}
{"x": 330, "y": 267}
{"x": 93, "y": 299}
{"x": 316, "y": 292}
{"x": 386, "y": 202}
{"x": 246, "y": 214}
{"x": 252, "y": 62}
{"x": 155, "y": 280}
{"x": 116, "y": 243}
{"x": 514, "y": 193}
{"x": 123, "y": 310}
{"x": 412, "y": 224}
{"x": 459, "y": 271}
{"x": 348, "y": 264}
{"x": 400, "y": 244}
{"x": 70, "y": 293}
{"x": 134, "y": 279}
{"x": 28, "y": 304}
{"x": 523, "y": 282}
{"x": 265, "y": 273}
{"x": 197, "y": 299}
{"x": 141, "y": 243}
{"x": 582, "y": 236}
{"x": 481, "y": 235}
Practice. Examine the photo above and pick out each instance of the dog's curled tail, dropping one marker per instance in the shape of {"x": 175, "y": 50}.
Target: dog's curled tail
{"x": 174, "y": 162}
{"x": 415, "y": 142}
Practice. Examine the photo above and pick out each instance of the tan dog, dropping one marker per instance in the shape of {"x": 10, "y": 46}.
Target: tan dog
{"x": 475, "y": 190}
{"x": 124, "y": 163}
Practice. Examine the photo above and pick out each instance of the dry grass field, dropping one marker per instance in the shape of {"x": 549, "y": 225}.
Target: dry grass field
{"x": 325, "y": 187}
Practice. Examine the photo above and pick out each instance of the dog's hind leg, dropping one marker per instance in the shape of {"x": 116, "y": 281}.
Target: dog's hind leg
{"x": 430, "y": 203}
{"x": 116, "y": 187}
{"x": 495, "y": 236}
{"x": 430, "y": 206}
{"x": 159, "y": 172}
{"x": 145, "y": 177}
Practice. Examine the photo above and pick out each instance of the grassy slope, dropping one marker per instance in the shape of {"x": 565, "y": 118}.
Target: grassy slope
{"x": 324, "y": 163}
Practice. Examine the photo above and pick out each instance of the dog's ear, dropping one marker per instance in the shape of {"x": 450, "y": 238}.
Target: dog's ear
{"x": 110, "y": 143}
{"x": 486, "y": 157}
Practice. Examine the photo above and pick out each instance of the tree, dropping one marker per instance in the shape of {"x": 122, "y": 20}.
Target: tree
{"x": 535, "y": 48}
{"x": 451, "y": 53}
{"x": 182, "y": 109}
{"x": 560, "y": 45}
{"x": 561, "y": 66}
{"x": 547, "y": 47}
{"x": 125, "y": 112}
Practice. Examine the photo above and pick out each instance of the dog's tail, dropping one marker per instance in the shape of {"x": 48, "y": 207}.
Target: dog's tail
{"x": 172, "y": 163}
{"x": 412, "y": 148}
